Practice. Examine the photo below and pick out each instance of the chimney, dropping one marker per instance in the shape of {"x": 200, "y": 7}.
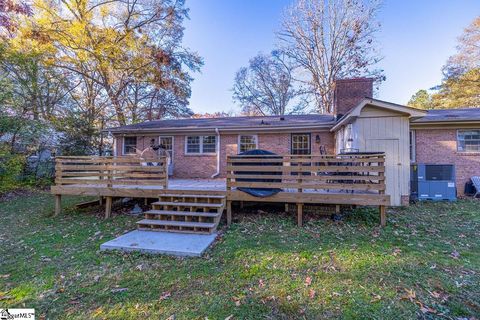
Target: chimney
{"x": 349, "y": 93}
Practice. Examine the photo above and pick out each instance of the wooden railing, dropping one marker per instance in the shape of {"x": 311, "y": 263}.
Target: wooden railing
{"x": 308, "y": 173}
{"x": 111, "y": 171}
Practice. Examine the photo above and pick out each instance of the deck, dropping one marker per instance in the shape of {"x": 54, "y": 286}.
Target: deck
{"x": 335, "y": 180}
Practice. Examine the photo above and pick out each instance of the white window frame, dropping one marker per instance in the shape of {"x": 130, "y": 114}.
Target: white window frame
{"x": 458, "y": 140}
{"x": 123, "y": 145}
{"x": 173, "y": 145}
{"x": 412, "y": 145}
{"x": 243, "y": 135}
{"x": 201, "y": 145}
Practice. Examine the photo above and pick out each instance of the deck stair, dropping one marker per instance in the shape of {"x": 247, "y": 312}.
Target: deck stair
{"x": 186, "y": 213}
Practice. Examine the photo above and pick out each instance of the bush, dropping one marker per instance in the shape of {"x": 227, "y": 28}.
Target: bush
{"x": 11, "y": 168}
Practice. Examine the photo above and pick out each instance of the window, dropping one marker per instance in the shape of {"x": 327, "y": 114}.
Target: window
{"x": 201, "y": 144}
{"x": 412, "y": 146}
{"x": 300, "y": 144}
{"x": 247, "y": 143}
{"x": 166, "y": 143}
{"x": 209, "y": 144}
{"x": 468, "y": 140}
{"x": 129, "y": 145}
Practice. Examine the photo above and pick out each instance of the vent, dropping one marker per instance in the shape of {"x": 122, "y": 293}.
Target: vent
{"x": 438, "y": 172}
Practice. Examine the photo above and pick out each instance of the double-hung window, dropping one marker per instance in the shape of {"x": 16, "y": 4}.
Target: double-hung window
{"x": 247, "y": 143}
{"x": 129, "y": 145}
{"x": 301, "y": 143}
{"x": 468, "y": 140}
{"x": 201, "y": 144}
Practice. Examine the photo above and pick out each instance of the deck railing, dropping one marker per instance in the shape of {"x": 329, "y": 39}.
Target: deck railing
{"x": 111, "y": 171}
{"x": 308, "y": 173}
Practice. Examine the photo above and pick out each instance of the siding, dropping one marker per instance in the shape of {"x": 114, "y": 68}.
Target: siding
{"x": 439, "y": 146}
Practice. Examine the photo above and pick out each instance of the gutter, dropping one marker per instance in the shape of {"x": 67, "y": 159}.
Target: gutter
{"x": 218, "y": 154}
{"x": 317, "y": 127}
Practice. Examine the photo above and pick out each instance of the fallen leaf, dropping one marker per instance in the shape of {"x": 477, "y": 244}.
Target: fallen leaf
{"x": 308, "y": 281}
{"x": 410, "y": 295}
{"x": 229, "y": 317}
{"x": 376, "y": 297}
{"x": 5, "y": 298}
{"x": 311, "y": 294}
{"x": 5, "y": 276}
{"x": 396, "y": 251}
{"x": 260, "y": 283}
{"x": 165, "y": 295}
{"x": 455, "y": 254}
{"x": 116, "y": 290}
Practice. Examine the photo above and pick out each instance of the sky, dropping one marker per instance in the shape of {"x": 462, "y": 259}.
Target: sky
{"x": 416, "y": 38}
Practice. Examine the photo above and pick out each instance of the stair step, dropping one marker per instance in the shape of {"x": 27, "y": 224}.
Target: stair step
{"x": 189, "y": 204}
{"x": 212, "y": 196}
{"x": 183, "y": 213}
{"x": 205, "y": 225}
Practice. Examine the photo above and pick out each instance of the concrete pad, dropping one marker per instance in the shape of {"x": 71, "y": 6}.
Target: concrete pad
{"x": 156, "y": 242}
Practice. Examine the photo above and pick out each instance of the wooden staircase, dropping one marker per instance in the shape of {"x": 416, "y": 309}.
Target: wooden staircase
{"x": 187, "y": 213}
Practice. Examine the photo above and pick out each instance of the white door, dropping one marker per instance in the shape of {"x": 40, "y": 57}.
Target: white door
{"x": 392, "y": 166}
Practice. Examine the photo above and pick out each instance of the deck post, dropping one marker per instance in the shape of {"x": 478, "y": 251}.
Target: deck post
{"x": 108, "y": 207}
{"x": 229, "y": 212}
{"x": 100, "y": 200}
{"x": 286, "y": 207}
{"x": 383, "y": 216}
{"x": 58, "y": 204}
{"x": 300, "y": 214}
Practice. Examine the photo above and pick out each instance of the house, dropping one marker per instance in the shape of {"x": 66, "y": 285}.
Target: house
{"x": 199, "y": 147}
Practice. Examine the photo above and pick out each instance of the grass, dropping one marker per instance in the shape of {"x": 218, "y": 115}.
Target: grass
{"x": 424, "y": 264}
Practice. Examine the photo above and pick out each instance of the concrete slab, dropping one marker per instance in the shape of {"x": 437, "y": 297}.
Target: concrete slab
{"x": 169, "y": 243}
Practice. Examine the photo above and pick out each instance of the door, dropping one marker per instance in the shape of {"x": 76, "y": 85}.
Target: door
{"x": 166, "y": 143}
{"x": 392, "y": 166}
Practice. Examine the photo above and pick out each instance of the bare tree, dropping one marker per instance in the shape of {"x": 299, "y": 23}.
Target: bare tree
{"x": 331, "y": 39}
{"x": 266, "y": 86}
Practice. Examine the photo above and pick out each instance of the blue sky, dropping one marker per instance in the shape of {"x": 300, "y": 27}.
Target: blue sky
{"x": 417, "y": 37}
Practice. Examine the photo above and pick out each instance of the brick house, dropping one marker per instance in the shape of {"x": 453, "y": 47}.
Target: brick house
{"x": 199, "y": 147}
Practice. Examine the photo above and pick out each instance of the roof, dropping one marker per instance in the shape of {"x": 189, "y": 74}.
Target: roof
{"x": 231, "y": 123}
{"x": 450, "y": 115}
{"x": 354, "y": 113}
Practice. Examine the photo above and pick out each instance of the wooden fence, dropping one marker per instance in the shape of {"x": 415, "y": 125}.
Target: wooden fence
{"x": 324, "y": 179}
{"x": 109, "y": 171}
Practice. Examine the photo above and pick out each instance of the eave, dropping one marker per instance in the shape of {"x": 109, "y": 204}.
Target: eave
{"x": 272, "y": 129}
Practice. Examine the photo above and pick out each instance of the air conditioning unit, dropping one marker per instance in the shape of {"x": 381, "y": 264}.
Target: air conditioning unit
{"x": 433, "y": 182}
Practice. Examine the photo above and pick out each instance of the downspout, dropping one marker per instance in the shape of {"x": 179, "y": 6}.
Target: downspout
{"x": 218, "y": 154}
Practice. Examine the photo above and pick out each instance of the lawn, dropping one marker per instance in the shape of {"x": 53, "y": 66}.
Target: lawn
{"x": 424, "y": 264}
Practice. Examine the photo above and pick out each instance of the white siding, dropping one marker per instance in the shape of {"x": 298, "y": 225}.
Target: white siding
{"x": 387, "y": 131}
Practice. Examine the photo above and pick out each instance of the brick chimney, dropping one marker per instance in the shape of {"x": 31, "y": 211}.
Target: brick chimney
{"x": 349, "y": 93}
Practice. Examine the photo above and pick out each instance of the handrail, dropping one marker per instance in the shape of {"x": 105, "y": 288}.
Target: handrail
{"x": 107, "y": 171}
{"x": 308, "y": 173}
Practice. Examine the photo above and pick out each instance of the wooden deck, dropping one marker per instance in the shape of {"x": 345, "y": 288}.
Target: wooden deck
{"x": 303, "y": 179}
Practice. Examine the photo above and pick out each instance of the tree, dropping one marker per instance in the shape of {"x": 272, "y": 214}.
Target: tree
{"x": 421, "y": 100}
{"x": 329, "y": 40}
{"x": 461, "y": 83}
{"x": 9, "y": 9}
{"x": 266, "y": 86}
{"x": 123, "y": 46}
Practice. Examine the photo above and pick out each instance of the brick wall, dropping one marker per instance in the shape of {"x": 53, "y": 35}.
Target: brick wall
{"x": 439, "y": 146}
{"x": 204, "y": 166}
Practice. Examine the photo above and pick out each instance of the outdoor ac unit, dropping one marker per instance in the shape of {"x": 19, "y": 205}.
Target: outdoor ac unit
{"x": 433, "y": 182}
